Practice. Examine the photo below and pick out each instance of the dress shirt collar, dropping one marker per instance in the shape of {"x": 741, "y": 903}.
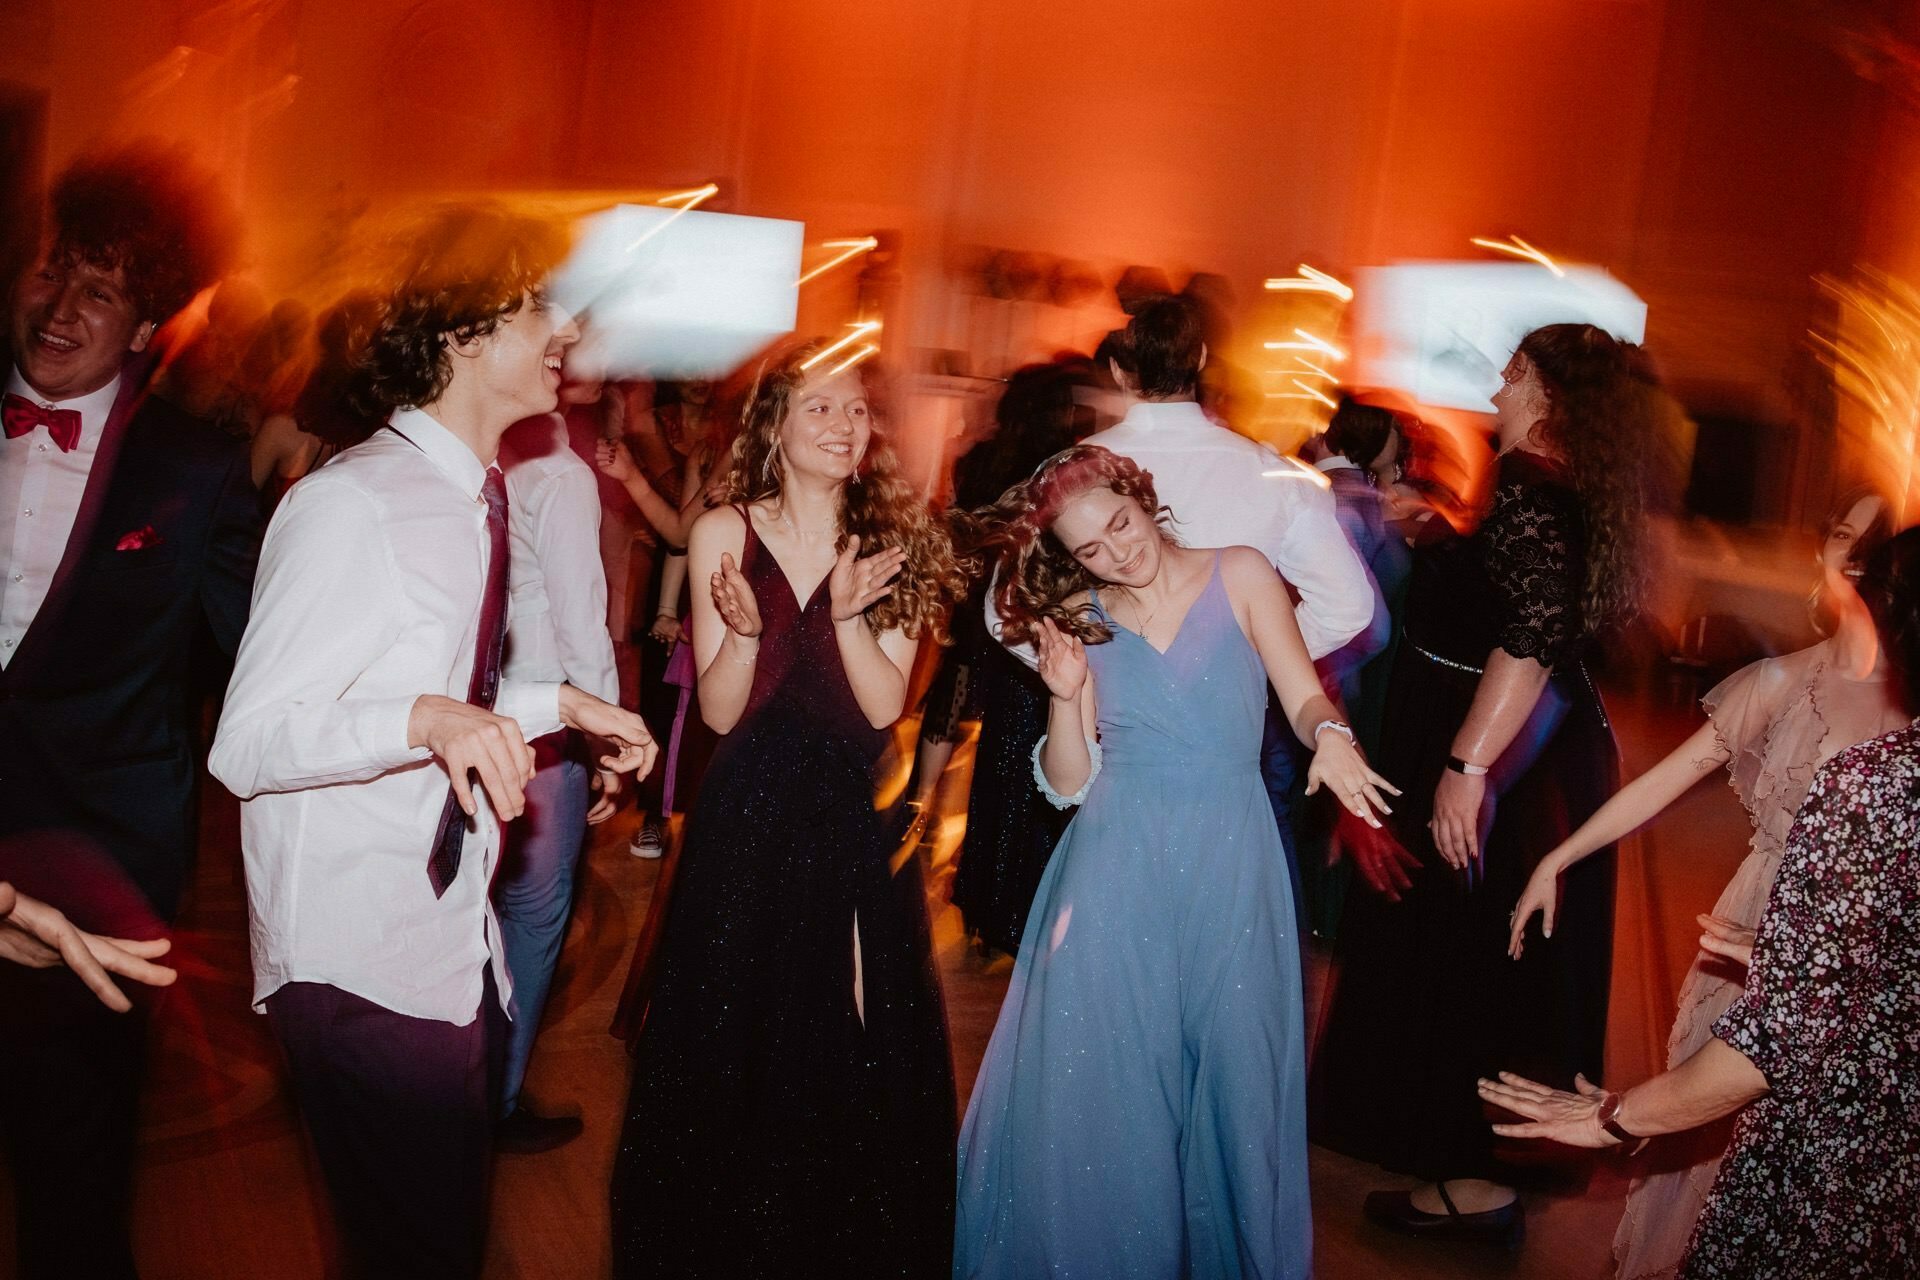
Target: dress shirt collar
{"x": 95, "y": 407}
{"x": 1336, "y": 462}
{"x": 443, "y": 448}
{"x": 1158, "y": 416}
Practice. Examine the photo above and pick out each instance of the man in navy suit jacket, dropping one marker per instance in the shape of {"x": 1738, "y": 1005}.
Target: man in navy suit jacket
{"x": 128, "y": 530}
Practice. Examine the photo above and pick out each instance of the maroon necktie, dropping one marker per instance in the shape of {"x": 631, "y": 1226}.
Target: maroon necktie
{"x": 443, "y": 864}
{"x": 22, "y": 415}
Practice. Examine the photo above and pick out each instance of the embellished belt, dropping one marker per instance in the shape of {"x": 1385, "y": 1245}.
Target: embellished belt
{"x": 1431, "y": 656}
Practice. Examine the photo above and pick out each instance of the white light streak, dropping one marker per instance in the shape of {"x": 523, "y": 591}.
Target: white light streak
{"x": 860, "y": 330}
{"x": 849, "y": 250}
{"x": 1308, "y": 342}
{"x": 1515, "y": 247}
{"x": 1312, "y": 281}
{"x": 866, "y": 352}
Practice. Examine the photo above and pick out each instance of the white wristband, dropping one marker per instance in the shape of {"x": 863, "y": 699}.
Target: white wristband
{"x": 1054, "y": 798}
{"x": 1338, "y": 726}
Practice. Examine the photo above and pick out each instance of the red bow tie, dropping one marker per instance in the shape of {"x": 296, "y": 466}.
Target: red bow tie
{"x": 21, "y": 415}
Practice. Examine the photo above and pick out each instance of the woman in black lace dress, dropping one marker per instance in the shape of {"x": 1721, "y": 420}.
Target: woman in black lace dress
{"x": 1495, "y": 729}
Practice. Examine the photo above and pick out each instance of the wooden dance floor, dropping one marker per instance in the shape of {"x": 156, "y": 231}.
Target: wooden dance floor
{"x": 227, "y": 1191}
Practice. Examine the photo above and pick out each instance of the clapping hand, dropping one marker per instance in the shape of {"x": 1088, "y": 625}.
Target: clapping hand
{"x": 1062, "y": 660}
{"x": 39, "y": 936}
{"x": 1339, "y": 767}
{"x": 854, "y": 585}
{"x": 733, "y": 597}
{"x": 1726, "y": 938}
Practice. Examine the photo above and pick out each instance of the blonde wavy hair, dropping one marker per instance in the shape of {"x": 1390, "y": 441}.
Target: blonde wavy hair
{"x": 876, "y": 503}
{"x": 1038, "y": 575}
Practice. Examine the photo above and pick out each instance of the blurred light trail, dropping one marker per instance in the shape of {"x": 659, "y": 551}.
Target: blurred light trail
{"x": 1292, "y": 468}
{"x": 850, "y": 249}
{"x": 694, "y": 199}
{"x": 866, "y": 352}
{"x": 1308, "y": 342}
{"x": 1311, "y": 281}
{"x": 840, "y": 344}
{"x": 1312, "y": 370}
{"x": 1515, "y": 247}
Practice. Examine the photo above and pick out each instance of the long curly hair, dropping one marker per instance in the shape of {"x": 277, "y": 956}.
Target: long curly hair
{"x": 456, "y": 275}
{"x": 1600, "y": 418}
{"x": 1038, "y": 575}
{"x": 876, "y": 503}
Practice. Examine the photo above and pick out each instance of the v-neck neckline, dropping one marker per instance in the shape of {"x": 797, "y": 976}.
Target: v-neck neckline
{"x": 1179, "y": 631}
{"x": 801, "y": 606}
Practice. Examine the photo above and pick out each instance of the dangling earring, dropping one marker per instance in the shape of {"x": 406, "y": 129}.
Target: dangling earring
{"x": 766, "y": 471}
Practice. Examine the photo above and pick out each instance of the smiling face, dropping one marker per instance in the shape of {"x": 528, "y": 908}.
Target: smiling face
{"x": 73, "y": 325}
{"x": 516, "y": 369}
{"x": 1111, "y": 535}
{"x": 1840, "y": 560}
{"x": 828, "y": 427}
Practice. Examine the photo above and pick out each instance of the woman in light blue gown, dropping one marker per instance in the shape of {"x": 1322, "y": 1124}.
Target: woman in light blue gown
{"x": 1141, "y": 1109}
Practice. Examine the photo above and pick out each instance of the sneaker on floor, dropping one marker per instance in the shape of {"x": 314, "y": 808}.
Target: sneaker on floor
{"x": 647, "y": 842}
{"x": 528, "y": 1133}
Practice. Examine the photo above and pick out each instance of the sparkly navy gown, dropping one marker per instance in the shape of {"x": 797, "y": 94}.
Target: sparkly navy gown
{"x": 770, "y": 1130}
{"x": 1141, "y": 1111}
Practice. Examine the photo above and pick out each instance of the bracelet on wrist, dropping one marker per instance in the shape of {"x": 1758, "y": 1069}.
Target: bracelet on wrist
{"x": 1340, "y": 727}
{"x": 1458, "y": 765}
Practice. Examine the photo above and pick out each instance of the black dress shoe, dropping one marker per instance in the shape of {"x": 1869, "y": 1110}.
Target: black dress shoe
{"x": 1506, "y": 1225}
{"x": 526, "y": 1133}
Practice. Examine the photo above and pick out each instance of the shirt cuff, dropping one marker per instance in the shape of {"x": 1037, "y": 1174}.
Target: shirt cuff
{"x": 534, "y": 704}
{"x": 383, "y": 724}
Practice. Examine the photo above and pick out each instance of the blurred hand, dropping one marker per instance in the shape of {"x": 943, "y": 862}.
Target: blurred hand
{"x": 1382, "y": 861}
{"x": 467, "y": 739}
{"x": 39, "y": 936}
{"x": 1062, "y": 660}
{"x": 612, "y": 458}
{"x": 733, "y": 597}
{"x": 608, "y": 784}
{"x": 666, "y": 629}
{"x": 1340, "y": 768}
{"x": 854, "y": 584}
{"x": 1728, "y": 938}
{"x": 1455, "y": 825}
{"x": 618, "y": 727}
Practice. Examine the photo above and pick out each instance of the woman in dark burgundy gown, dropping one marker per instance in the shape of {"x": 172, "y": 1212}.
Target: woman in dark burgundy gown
{"x": 793, "y": 1102}
{"x": 1495, "y": 729}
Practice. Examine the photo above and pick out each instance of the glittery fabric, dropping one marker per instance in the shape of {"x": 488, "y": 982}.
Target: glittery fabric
{"x": 1140, "y": 1111}
{"x": 770, "y": 1131}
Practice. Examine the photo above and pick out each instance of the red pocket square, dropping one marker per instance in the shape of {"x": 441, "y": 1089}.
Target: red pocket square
{"x": 140, "y": 539}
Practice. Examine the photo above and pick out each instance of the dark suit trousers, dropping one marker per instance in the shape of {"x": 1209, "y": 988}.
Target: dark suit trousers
{"x": 401, "y": 1113}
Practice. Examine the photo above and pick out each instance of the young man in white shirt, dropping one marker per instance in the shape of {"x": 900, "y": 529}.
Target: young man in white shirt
{"x": 366, "y": 690}
{"x": 557, "y": 632}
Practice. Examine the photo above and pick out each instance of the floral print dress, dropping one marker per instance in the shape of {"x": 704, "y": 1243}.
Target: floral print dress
{"x": 1823, "y": 1178}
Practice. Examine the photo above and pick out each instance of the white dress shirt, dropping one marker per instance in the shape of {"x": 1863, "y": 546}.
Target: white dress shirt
{"x": 557, "y": 629}
{"x": 1224, "y": 490}
{"x": 40, "y": 492}
{"x": 368, "y": 596}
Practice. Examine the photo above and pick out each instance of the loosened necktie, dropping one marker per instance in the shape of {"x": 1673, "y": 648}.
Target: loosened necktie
{"x": 21, "y": 415}
{"x": 443, "y": 863}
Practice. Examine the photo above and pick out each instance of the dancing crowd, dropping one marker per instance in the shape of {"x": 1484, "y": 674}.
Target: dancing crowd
{"x": 1204, "y": 672}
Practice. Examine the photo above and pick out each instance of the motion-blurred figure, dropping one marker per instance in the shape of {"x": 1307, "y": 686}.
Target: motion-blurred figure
{"x": 321, "y": 419}
{"x": 127, "y": 527}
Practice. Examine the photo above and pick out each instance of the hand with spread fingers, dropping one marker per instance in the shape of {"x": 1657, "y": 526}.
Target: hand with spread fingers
{"x": 856, "y": 584}
{"x": 1342, "y": 770}
{"x": 1554, "y": 1114}
{"x": 1062, "y": 660}
{"x": 1383, "y": 862}
{"x": 733, "y": 597}
{"x": 1726, "y": 938}
{"x": 40, "y": 936}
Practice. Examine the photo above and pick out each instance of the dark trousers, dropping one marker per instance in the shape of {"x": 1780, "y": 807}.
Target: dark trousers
{"x": 401, "y": 1113}
{"x": 69, "y": 1092}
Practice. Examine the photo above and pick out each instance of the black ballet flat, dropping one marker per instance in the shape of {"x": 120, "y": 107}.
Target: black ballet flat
{"x": 1505, "y": 1226}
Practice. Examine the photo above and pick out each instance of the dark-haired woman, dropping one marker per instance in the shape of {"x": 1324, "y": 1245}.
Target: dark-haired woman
{"x": 1140, "y": 1109}
{"x": 1496, "y": 730}
{"x": 1772, "y": 724}
{"x": 793, "y": 1098}
{"x": 1824, "y": 1170}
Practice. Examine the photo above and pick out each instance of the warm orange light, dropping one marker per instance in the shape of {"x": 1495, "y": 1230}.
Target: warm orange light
{"x": 1515, "y": 247}
{"x": 1308, "y": 342}
{"x": 840, "y": 344}
{"x": 694, "y": 198}
{"x": 849, "y": 250}
{"x": 866, "y": 352}
{"x": 1311, "y": 281}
